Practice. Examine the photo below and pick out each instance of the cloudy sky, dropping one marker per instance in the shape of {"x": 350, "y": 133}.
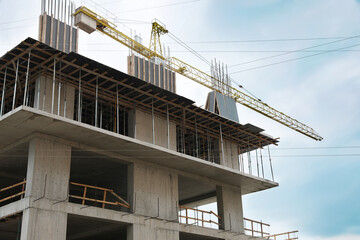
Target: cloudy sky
{"x": 319, "y": 192}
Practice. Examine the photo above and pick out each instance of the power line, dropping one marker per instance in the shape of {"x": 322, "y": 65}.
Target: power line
{"x": 294, "y": 148}
{"x": 293, "y": 59}
{"x": 188, "y": 48}
{"x": 299, "y": 50}
{"x": 264, "y": 40}
{"x": 160, "y": 6}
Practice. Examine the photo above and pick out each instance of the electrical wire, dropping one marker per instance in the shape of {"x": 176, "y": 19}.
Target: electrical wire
{"x": 266, "y": 40}
{"x": 299, "y": 50}
{"x": 188, "y": 48}
{"x": 294, "y": 59}
{"x": 160, "y": 6}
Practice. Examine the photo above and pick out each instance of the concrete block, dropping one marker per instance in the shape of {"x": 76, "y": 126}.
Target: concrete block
{"x": 48, "y": 170}
{"x": 43, "y": 225}
{"x": 155, "y": 192}
{"x": 230, "y": 209}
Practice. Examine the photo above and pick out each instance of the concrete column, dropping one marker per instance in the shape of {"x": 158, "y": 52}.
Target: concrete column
{"x": 142, "y": 129}
{"x": 152, "y": 230}
{"x": 230, "y": 209}
{"x": 38, "y": 224}
{"x": 231, "y": 158}
{"x": 155, "y": 192}
{"x": 48, "y": 171}
{"x": 43, "y": 97}
{"x": 47, "y": 178}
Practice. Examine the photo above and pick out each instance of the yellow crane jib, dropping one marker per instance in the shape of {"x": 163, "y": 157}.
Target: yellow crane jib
{"x": 89, "y": 21}
{"x": 157, "y": 29}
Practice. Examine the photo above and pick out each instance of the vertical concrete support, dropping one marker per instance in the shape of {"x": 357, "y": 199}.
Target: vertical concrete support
{"x": 40, "y": 224}
{"x": 152, "y": 230}
{"x": 155, "y": 192}
{"x": 47, "y": 177}
{"x": 231, "y": 158}
{"x": 48, "y": 170}
{"x": 230, "y": 209}
{"x": 142, "y": 130}
{"x": 43, "y": 97}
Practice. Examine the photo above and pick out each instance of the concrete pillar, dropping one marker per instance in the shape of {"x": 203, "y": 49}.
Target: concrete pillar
{"x": 230, "y": 209}
{"x": 38, "y": 224}
{"x": 155, "y": 192}
{"x": 43, "y": 97}
{"x": 231, "y": 158}
{"x": 48, "y": 171}
{"x": 142, "y": 129}
{"x": 47, "y": 178}
{"x": 152, "y": 230}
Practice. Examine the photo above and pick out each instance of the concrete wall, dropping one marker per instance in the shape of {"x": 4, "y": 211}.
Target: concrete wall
{"x": 155, "y": 192}
{"x": 39, "y": 224}
{"x": 231, "y": 157}
{"x": 47, "y": 177}
{"x": 43, "y": 97}
{"x": 141, "y": 127}
{"x": 230, "y": 209}
{"x": 152, "y": 230}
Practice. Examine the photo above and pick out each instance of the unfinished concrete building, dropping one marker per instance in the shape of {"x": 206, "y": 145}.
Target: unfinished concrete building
{"x": 89, "y": 152}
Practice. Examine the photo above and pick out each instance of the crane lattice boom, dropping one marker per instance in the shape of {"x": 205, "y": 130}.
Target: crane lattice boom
{"x": 185, "y": 69}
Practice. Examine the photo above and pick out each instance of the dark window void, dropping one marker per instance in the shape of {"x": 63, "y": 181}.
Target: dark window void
{"x": 13, "y": 167}
{"x": 10, "y": 227}
{"x": 197, "y": 145}
{"x": 96, "y": 180}
{"x": 85, "y": 228}
{"x": 102, "y": 114}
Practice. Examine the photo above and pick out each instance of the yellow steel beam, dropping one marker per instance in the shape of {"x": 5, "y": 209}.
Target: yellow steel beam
{"x": 106, "y": 27}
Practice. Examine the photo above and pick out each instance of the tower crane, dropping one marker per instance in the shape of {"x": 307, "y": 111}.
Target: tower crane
{"x": 154, "y": 51}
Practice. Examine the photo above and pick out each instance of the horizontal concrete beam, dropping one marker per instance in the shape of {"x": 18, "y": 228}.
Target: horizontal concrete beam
{"x": 24, "y": 121}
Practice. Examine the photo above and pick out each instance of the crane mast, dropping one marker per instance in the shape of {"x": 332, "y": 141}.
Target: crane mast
{"x": 106, "y": 27}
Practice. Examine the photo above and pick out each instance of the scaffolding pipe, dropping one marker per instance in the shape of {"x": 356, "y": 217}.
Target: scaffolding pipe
{"x": 168, "y": 125}
{"x": 117, "y": 109}
{"x": 79, "y": 98}
{"x": 3, "y": 94}
{"x": 65, "y": 92}
{"x": 96, "y": 101}
{"x": 272, "y": 173}
{"x": 222, "y": 146}
{"x": 183, "y": 132}
{"x": 153, "y": 120}
{"x": 53, "y": 88}
{"x": 196, "y": 139}
{"x": 249, "y": 159}
{"x": 16, "y": 80}
{"x": 262, "y": 164}
{"x": 59, "y": 93}
{"x": 257, "y": 163}
{"x": 26, "y": 79}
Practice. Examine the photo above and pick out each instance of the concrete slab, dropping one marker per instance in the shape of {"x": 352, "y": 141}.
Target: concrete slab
{"x": 24, "y": 121}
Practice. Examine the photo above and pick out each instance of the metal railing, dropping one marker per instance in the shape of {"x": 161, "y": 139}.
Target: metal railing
{"x": 284, "y": 236}
{"x": 102, "y": 198}
{"x": 13, "y": 191}
{"x": 256, "y": 228}
{"x": 198, "y": 217}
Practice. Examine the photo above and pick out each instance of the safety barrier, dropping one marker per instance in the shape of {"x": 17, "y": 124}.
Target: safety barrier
{"x": 104, "y": 194}
{"x": 198, "y": 217}
{"x": 284, "y": 236}
{"x": 256, "y": 228}
{"x": 13, "y": 191}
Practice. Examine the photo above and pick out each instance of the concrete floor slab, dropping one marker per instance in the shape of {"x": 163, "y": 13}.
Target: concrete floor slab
{"x": 25, "y": 121}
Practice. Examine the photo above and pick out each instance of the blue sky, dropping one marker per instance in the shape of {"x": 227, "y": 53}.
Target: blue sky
{"x": 319, "y": 194}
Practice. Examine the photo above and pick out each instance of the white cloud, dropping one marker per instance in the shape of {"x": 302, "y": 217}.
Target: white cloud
{"x": 339, "y": 237}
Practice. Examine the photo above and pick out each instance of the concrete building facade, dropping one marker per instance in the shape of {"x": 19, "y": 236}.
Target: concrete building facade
{"x": 89, "y": 152}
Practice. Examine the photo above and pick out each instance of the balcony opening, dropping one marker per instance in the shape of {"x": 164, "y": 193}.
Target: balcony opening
{"x": 99, "y": 181}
